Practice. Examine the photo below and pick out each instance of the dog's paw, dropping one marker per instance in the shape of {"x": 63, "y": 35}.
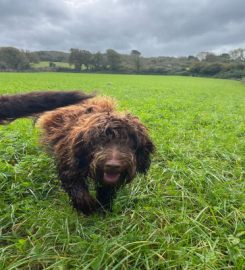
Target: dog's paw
{"x": 85, "y": 203}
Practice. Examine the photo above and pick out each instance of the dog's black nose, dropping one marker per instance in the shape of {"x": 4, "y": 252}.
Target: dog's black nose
{"x": 112, "y": 166}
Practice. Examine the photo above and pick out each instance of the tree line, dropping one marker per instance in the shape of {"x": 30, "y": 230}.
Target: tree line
{"x": 226, "y": 65}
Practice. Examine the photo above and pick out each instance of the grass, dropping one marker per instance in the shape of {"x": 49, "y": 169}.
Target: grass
{"x": 187, "y": 213}
{"x": 45, "y": 64}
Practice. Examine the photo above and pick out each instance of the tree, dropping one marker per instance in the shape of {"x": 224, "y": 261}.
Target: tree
{"x": 86, "y": 58}
{"x": 192, "y": 58}
{"x": 211, "y": 69}
{"x": 98, "y": 61}
{"x": 238, "y": 54}
{"x": 211, "y": 57}
{"x": 3, "y": 65}
{"x": 224, "y": 57}
{"x": 52, "y": 65}
{"x": 80, "y": 57}
{"x": 75, "y": 59}
{"x": 113, "y": 59}
{"x": 206, "y": 69}
{"x": 136, "y": 59}
{"x": 32, "y": 57}
{"x": 13, "y": 58}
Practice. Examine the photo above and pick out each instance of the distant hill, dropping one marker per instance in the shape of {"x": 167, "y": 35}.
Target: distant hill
{"x": 53, "y": 56}
{"x": 226, "y": 65}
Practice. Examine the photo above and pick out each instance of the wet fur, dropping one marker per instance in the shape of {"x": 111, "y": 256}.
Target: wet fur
{"x": 82, "y": 138}
{"x": 23, "y": 105}
{"x": 76, "y": 134}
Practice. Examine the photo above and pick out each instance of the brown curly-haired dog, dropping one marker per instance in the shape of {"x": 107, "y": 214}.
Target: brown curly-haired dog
{"x": 93, "y": 140}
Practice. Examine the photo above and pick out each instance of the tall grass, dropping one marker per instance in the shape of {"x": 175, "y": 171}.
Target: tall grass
{"x": 187, "y": 213}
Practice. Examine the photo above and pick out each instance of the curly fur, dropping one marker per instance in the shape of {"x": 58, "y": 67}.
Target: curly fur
{"x": 93, "y": 140}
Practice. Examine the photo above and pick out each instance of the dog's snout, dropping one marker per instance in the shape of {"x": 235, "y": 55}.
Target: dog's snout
{"x": 113, "y": 165}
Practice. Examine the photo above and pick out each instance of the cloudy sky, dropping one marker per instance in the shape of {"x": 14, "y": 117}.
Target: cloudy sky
{"x": 154, "y": 27}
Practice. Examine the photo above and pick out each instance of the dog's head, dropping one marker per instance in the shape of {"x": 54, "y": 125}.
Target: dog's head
{"x": 112, "y": 147}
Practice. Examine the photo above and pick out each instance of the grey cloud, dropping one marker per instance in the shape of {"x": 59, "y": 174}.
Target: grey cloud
{"x": 157, "y": 27}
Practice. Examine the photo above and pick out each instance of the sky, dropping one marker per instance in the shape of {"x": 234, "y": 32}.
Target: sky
{"x": 153, "y": 27}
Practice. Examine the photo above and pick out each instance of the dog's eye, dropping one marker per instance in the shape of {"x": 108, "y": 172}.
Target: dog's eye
{"x": 108, "y": 131}
{"x": 89, "y": 110}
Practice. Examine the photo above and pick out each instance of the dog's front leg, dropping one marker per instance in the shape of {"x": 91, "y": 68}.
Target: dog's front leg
{"x": 105, "y": 196}
{"x": 82, "y": 200}
{"x": 78, "y": 192}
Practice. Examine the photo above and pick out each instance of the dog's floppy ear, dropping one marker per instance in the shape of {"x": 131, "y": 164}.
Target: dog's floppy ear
{"x": 143, "y": 155}
{"x": 144, "y": 145}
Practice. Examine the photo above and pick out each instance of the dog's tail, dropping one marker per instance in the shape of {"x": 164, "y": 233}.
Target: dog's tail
{"x": 23, "y": 105}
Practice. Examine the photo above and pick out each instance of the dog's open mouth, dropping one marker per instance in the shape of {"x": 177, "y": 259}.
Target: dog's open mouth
{"x": 111, "y": 177}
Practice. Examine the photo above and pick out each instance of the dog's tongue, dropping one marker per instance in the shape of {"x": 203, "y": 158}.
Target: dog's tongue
{"x": 111, "y": 178}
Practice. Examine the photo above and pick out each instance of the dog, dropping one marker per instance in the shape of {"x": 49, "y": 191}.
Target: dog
{"x": 92, "y": 140}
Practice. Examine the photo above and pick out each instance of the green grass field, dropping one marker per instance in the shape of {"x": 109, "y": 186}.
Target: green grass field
{"x": 187, "y": 213}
